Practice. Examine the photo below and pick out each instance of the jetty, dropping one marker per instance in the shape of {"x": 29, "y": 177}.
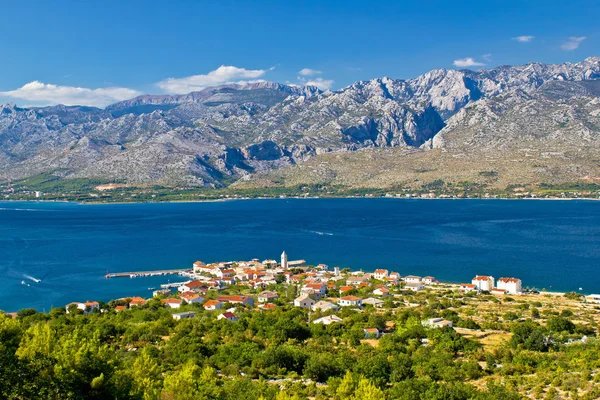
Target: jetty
{"x": 173, "y": 284}
{"x": 137, "y": 274}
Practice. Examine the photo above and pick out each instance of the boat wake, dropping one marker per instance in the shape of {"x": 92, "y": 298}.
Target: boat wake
{"x": 322, "y": 233}
{"x": 31, "y": 278}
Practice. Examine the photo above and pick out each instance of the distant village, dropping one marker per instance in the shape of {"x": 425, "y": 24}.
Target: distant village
{"x": 318, "y": 288}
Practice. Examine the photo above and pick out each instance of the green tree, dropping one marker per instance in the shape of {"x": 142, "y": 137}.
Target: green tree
{"x": 146, "y": 376}
{"x": 367, "y": 391}
{"x": 560, "y": 324}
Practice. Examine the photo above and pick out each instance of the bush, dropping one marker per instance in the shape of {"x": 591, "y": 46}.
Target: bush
{"x": 560, "y": 324}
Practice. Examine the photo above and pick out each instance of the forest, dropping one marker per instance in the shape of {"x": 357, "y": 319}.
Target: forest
{"x": 143, "y": 353}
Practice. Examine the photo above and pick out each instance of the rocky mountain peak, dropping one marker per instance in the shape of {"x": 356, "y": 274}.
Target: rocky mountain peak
{"x": 231, "y": 130}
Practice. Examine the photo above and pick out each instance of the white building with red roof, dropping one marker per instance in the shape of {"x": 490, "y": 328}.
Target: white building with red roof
{"x": 510, "y": 285}
{"x": 468, "y": 287}
{"x": 191, "y": 286}
{"x": 229, "y": 316}
{"x": 381, "y": 291}
{"x": 191, "y": 297}
{"x": 350, "y": 301}
{"x": 381, "y": 274}
{"x": 483, "y": 282}
{"x": 212, "y": 305}
{"x": 172, "y": 303}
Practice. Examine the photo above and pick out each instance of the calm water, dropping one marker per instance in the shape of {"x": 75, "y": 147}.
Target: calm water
{"x": 69, "y": 247}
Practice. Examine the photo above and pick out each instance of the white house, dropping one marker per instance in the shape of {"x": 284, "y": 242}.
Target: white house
{"x": 267, "y": 296}
{"x": 328, "y": 320}
{"x": 355, "y": 280}
{"x": 88, "y": 307}
{"x": 229, "y": 316}
{"x": 414, "y": 286}
{"x": 373, "y": 301}
{"x": 467, "y": 287}
{"x": 498, "y": 291}
{"x": 172, "y": 303}
{"x": 324, "y": 306}
{"x": 197, "y": 266}
{"x": 212, "y": 305}
{"x": 484, "y": 283}
{"x": 429, "y": 280}
{"x": 270, "y": 263}
{"x": 318, "y": 287}
{"x": 350, "y": 301}
{"x": 511, "y": 285}
{"x": 304, "y": 302}
{"x": 190, "y": 286}
{"x": 380, "y": 274}
{"x": 192, "y": 298}
{"x": 412, "y": 279}
{"x": 184, "y": 315}
{"x": 381, "y": 291}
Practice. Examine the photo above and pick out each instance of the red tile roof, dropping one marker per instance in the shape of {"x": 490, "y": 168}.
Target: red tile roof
{"x": 212, "y": 303}
{"x": 514, "y": 280}
{"x": 171, "y": 301}
{"x": 190, "y": 296}
{"x": 350, "y": 298}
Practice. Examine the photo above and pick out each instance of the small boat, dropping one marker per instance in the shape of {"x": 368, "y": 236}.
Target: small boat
{"x": 22, "y": 282}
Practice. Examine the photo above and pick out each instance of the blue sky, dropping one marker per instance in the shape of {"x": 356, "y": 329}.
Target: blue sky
{"x": 98, "y": 52}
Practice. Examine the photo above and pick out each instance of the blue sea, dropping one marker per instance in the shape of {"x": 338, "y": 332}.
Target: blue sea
{"x": 63, "y": 250}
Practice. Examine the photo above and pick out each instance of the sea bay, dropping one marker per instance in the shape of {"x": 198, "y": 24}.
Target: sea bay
{"x": 69, "y": 247}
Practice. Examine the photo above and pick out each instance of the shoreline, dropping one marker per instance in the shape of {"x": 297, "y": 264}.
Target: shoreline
{"x": 294, "y": 198}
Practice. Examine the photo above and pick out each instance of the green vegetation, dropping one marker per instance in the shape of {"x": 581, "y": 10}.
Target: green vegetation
{"x": 54, "y": 188}
{"x": 143, "y": 353}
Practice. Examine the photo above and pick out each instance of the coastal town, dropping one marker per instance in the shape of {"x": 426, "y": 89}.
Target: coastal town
{"x": 317, "y": 288}
{"x": 268, "y": 323}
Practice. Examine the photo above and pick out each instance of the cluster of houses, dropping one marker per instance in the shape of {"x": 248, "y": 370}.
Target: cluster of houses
{"x": 313, "y": 285}
{"x": 483, "y": 283}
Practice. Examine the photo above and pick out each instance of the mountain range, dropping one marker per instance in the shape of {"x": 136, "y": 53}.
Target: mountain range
{"x": 530, "y": 123}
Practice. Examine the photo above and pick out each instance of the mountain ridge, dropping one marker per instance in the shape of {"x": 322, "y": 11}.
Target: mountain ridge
{"x": 232, "y": 132}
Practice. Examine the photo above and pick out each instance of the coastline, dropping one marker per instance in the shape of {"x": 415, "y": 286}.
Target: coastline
{"x": 294, "y": 198}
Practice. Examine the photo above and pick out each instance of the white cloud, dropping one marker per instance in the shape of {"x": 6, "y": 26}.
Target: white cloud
{"x": 487, "y": 57}
{"x": 45, "y": 94}
{"x": 467, "y": 62}
{"x": 309, "y": 72}
{"x": 524, "y": 38}
{"x": 323, "y": 84}
{"x": 573, "y": 43}
{"x": 222, "y": 75}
